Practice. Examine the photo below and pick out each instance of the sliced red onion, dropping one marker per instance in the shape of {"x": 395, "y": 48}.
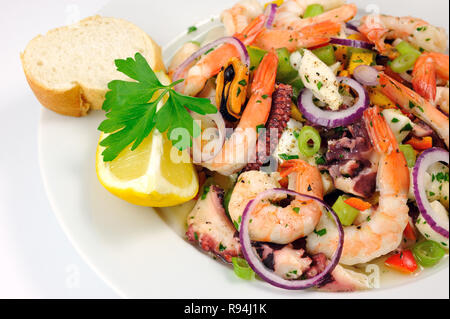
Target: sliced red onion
{"x": 428, "y": 158}
{"x": 270, "y": 13}
{"x": 332, "y": 119}
{"x": 352, "y": 26}
{"x": 179, "y": 73}
{"x": 366, "y": 75}
{"x": 352, "y": 43}
{"x": 257, "y": 265}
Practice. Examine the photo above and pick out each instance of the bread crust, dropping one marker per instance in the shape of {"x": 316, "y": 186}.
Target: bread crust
{"x": 78, "y": 100}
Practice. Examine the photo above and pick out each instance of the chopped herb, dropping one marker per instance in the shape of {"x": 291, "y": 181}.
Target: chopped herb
{"x": 319, "y": 85}
{"x": 321, "y": 160}
{"x": 296, "y": 209}
{"x": 265, "y": 96}
{"x": 222, "y": 247}
{"x": 209, "y": 51}
{"x": 307, "y": 78}
{"x": 260, "y": 127}
{"x": 132, "y": 126}
{"x": 395, "y": 120}
{"x": 286, "y": 157}
{"x": 243, "y": 82}
{"x": 321, "y": 232}
{"x": 407, "y": 128}
{"x": 192, "y": 29}
{"x": 205, "y": 192}
{"x": 238, "y": 91}
{"x": 196, "y": 236}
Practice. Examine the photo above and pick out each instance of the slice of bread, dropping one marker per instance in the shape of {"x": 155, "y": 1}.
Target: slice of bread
{"x": 69, "y": 68}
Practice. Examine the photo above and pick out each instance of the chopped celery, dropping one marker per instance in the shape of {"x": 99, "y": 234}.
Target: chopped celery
{"x": 285, "y": 72}
{"x": 410, "y": 154}
{"x": 309, "y": 141}
{"x": 313, "y": 10}
{"x": 256, "y": 56}
{"x": 403, "y": 63}
{"x": 326, "y": 54}
{"x": 242, "y": 269}
{"x": 428, "y": 253}
{"x": 405, "y": 48}
{"x": 346, "y": 213}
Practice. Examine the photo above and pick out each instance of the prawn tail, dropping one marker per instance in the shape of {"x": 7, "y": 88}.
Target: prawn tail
{"x": 383, "y": 139}
{"x": 265, "y": 75}
{"x": 252, "y": 31}
{"x": 424, "y": 78}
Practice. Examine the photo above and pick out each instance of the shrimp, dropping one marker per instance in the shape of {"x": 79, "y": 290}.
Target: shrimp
{"x": 307, "y": 37}
{"x": 211, "y": 64}
{"x": 384, "y": 231}
{"x": 238, "y": 18}
{"x": 428, "y": 67}
{"x": 442, "y": 99}
{"x": 412, "y": 102}
{"x": 241, "y": 146}
{"x": 378, "y": 28}
{"x": 182, "y": 55}
{"x": 290, "y": 20}
{"x": 274, "y": 224}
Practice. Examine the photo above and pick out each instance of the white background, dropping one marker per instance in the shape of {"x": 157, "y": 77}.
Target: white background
{"x": 36, "y": 259}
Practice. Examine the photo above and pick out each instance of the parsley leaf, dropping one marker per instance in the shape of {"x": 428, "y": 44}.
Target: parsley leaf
{"x": 132, "y": 109}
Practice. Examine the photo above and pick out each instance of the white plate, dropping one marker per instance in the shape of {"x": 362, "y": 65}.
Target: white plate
{"x": 133, "y": 249}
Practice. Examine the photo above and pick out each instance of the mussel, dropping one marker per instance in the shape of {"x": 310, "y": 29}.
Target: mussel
{"x": 231, "y": 90}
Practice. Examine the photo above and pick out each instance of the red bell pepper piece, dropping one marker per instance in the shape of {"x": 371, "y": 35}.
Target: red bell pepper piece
{"x": 409, "y": 232}
{"x": 403, "y": 261}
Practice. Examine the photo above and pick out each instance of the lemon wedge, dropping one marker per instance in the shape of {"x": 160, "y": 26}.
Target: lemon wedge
{"x": 154, "y": 175}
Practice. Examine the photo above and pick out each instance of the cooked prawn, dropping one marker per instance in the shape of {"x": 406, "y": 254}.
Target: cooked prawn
{"x": 280, "y": 225}
{"x": 240, "y": 15}
{"x": 442, "y": 98}
{"x": 428, "y": 67}
{"x": 412, "y": 102}
{"x": 290, "y": 20}
{"x": 384, "y": 231}
{"x": 307, "y": 37}
{"x": 377, "y": 28}
{"x": 241, "y": 146}
{"x": 211, "y": 64}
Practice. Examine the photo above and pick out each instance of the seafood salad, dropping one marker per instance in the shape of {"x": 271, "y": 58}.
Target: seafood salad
{"x": 318, "y": 142}
{"x": 332, "y": 149}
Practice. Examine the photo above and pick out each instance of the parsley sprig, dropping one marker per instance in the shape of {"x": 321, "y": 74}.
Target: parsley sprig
{"x": 132, "y": 109}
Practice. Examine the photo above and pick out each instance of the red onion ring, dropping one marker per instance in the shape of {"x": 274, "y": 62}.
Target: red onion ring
{"x": 270, "y": 13}
{"x": 366, "y": 75}
{"x": 352, "y": 26}
{"x": 269, "y": 276}
{"x": 179, "y": 73}
{"x": 333, "y": 119}
{"x": 352, "y": 43}
{"x": 425, "y": 160}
